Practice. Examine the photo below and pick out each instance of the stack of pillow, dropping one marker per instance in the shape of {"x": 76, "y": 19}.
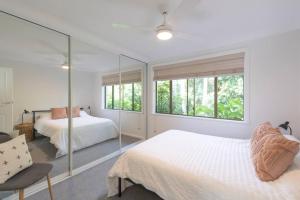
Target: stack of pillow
{"x": 61, "y": 113}
{"x": 271, "y": 152}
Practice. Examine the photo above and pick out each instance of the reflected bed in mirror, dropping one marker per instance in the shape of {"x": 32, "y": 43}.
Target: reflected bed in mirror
{"x": 92, "y": 138}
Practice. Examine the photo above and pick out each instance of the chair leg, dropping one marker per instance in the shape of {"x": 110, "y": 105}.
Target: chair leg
{"x": 21, "y": 194}
{"x": 50, "y": 187}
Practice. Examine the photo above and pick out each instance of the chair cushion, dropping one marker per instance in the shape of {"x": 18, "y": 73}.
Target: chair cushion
{"x": 4, "y": 137}
{"x": 27, "y": 177}
{"x": 14, "y": 157}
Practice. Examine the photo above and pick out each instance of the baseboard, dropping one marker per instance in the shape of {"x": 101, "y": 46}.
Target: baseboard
{"x": 133, "y": 135}
{"x": 62, "y": 177}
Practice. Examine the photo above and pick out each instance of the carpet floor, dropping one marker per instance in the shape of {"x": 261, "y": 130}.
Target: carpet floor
{"x": 42, "y": 150}
{"x": 91, "y": 185}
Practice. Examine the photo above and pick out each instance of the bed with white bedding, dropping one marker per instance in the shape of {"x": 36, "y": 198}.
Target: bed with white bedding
{"x": 179, "y": 165}
{"x": 87, "y": 131}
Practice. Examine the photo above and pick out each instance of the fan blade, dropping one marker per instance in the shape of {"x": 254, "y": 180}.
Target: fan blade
{"x": 120, "y": 26}
{"x": 187, "y": 36}
{"x": 126, "y": 26}
{"x": 185, "y": 8}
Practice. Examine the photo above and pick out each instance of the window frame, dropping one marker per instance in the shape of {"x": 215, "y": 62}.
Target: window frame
{"x": 244, "y": 119}
{"x": 121, "y": 106}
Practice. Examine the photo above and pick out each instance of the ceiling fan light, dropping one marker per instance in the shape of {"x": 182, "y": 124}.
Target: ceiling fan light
{"x": 164, "y": 34}
{"x": 65, "y": 66}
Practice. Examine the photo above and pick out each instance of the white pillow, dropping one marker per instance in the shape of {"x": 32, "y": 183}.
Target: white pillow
{"x": 14, "y": 157}
{"x": 83, "y": 114}
{"x": 291, "y": 137}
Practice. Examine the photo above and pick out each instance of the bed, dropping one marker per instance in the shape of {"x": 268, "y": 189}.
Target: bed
{"x": 87, "y": 131}
{"x": 180, "y": 165}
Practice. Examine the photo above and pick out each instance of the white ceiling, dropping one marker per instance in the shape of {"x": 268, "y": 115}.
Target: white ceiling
{"x": 209, "y": 24}
{"x": 25, "y": 44}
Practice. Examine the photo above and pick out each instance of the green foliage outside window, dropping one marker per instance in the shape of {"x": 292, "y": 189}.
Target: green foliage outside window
{"x": 130, "y": 100}
{"x": 196, "y": 97}
{"x": 231, "y": 97}
{"x": 137, "y": 95}
{"x": 109, "y": 97}
{"x": 163, "y": 97}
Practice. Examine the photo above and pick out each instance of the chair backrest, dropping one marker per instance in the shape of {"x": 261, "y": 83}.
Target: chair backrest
{"x": 4, "y": 137}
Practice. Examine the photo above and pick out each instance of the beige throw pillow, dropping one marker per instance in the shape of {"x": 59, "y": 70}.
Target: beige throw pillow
{"x": 14, "y": 157}
{"x": 274, "y": 157}
{"x": 75, "y": 111}
{"x": 58, "y": 113}
{"x": 261, "y": 131}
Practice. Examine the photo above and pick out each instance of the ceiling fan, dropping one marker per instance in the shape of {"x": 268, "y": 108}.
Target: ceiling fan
{"x": 165, "y": 31}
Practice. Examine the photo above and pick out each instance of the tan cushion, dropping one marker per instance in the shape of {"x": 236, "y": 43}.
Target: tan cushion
{"x": 275, "y": 156}
{"x": 262, "y": 130}
{"x": 75, "y": 111}
{"x": 14, "y": 157}
{"x": 58, "y": 113}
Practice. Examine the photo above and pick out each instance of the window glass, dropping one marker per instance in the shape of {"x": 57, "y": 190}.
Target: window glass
{"x": 163, "y": 97}
{"x": 108, "y": 97}
{"x": 117, "y": 97}
{"x": 191, "y": 97}
{"x": 127, "y": 96}
{"x": 179, "y": 97}
{"x": 231, "y": 97}
{"x": 204, "y": 97}
{"x": 197, "y": 96}
{"x": 137, "y": 103}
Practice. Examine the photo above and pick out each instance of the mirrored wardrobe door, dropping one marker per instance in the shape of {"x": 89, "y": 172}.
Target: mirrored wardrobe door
{"x": 133, "y": 109}
{"x": 33, "y": 96}
{"x": 96, "y": 97}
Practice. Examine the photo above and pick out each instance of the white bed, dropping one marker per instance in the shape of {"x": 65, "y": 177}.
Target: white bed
{"x": 87, "y": 131}
{"x": 179, "y": 165}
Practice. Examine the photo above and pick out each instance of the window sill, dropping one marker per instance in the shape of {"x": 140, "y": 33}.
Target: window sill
{"x": 201, "y": 118}
{"x": 125, "y": 111}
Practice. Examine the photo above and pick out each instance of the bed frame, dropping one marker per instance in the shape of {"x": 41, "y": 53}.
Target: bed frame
{"x": 120, "y": 185}
{"x": 34, "y": 131}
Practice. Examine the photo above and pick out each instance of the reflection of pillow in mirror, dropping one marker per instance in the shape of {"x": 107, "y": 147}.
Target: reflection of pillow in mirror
{"x": 75, "y": 111}
{"x": 83, "y": 114}
{"x": 58, "y": 113}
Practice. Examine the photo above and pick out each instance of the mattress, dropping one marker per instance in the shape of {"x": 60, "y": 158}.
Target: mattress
{"x": 87, "y": 131}
{"x": 180, "y": 165}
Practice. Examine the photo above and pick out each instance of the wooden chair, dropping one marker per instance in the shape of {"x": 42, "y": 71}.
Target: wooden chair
{"x": 27, "y": 177}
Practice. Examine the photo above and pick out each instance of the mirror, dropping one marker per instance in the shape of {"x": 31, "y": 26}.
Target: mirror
{"x": 95, "y": 132}
{"x": 32, "y": 82}
{"x": 133, "y": 109}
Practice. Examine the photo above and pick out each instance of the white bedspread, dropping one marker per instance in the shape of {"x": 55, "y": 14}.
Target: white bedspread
{"x": 87, "y": 131}
{"x": 179, "y": 165}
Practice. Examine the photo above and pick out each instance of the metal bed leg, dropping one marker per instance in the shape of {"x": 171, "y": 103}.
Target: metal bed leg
{"x": 119, "y": 187}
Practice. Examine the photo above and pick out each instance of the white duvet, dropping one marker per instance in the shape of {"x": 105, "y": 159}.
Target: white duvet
{"x": 179, "y": 165}
{"x": 87, "y": 131}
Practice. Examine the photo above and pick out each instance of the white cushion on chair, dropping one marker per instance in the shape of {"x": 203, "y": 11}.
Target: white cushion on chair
{"x": 14, "y": 157}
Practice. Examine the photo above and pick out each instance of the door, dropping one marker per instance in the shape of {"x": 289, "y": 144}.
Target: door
{"x": 6, "y": 100}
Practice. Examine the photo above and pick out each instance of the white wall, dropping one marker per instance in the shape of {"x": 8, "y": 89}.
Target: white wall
{"x": 40, "y": 88}
{"x": 272, "y": 90}
{"x": 131, "y": 123}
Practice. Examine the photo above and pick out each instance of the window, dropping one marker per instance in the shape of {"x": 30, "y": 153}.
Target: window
{"x": 131, "y": 97}
{"x": 211, "y": 87}
{"x": 215, "y": 97}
